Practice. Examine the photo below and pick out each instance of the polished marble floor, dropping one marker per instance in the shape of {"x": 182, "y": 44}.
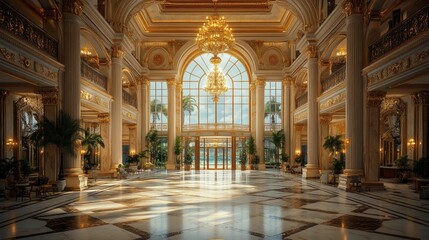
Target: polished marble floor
{"x": 217, "y": 205}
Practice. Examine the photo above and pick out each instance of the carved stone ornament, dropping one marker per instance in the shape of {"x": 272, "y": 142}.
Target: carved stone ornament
{"x": 117, "y": 51}
{"x": 421, "y": 98}
{"x": 52, "y": 13}
{"x": 374, "y": 98}
{"x": 103, "y": 117}
{"x": 311, "y": 51}
{"x": 353, "y": 7}
{"x": 325, "y": 119}
{"x": 252, "y": 86}
{"x": 260, "y": 83}
{"x": 392, "y": 106}
{"x": 171, "y": 82}
{"x": 73, "y": 6}
{"x": 288, "y": 81}
{"x": 49, "y": 96}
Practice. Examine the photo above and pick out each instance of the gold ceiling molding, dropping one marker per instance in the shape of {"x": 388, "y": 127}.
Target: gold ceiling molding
{"x": 160, "y": 55}
{"x": 223, "y": 6}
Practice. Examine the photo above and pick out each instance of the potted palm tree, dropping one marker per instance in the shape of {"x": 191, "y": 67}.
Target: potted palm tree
{"x": 65, "y": 134}
{"x": 278, "y": 141}
{"x": 251, "y": 149}
{"x": 178, "y": 151}
{"x": 188, "y": 157}
{"x": 334, "y": 144}
{"x": 90, "y": 142}
{"x": 403, "y": 165}
{"x": 242, "y": 159}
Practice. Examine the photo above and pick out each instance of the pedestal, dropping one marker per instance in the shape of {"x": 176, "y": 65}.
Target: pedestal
{"x": 310, "y": 171}
{"x": 76, "y": 182}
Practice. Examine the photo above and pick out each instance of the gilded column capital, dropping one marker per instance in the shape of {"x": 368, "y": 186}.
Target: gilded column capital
{"x": 287, "y": 81}
{"x": 374, "y": 98}
{"x": 52, "y": 13}
{"x": 179, "y": 86}
{"x": 132, "y": 126}
{"x": 325, "y": 119}
{"x": 420, "y": 98}
{"x": 73, "y": 6}
{"x": 103, "y": 117}
{"x": 311, "y": 51}
{"x": 117, "y": 51}
{"x": 49, "y": 96}
{"x": 171, "y": 82}
{"x": 260, "y": 82}
{"x": 252, "y": 86}
{"x": 353, "y": 7}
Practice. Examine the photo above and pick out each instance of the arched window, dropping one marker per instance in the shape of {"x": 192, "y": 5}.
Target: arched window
{"x": 199, "y": 110}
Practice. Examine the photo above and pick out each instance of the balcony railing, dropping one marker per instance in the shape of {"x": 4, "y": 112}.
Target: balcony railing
{"x": 301, "y": 100}
{"x": 17, "y": 25}
{"x": 407, "y": 30}
{"x": 129, "y": 99}
{"x": 334, "y": 79}
{"x": 93, "y": 75}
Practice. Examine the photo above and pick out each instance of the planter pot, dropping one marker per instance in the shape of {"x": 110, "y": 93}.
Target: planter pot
{"x": 61, "y": 184}
{"x": 187, "y": 167}
{"x": 243, "y": 167}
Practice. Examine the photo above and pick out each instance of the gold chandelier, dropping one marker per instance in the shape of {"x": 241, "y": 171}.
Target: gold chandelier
{"x": 215, "y": 37}
{"x": 215, "y": 84}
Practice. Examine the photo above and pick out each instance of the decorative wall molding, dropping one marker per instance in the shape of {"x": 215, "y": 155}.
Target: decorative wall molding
{"x": 271, "y": 55}
{"x": 94, "y": 99}
{"x": 332, "y": 102}
{"x": 160, "y": 55}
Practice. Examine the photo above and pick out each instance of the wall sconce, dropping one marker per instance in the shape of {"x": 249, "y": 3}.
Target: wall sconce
{"x": 297, "y": 152}
{"x": 82, "y": 151}
{"x": 411, "y": 143}
{"x": 11, "y": 144}
{"x": 341, "y": 52}
{"x": 85, "y": 52}
{"x": 132, "y": 152}
{"x": 346, "y": 142}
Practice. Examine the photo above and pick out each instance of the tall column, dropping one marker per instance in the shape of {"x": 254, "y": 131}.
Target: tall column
{"x": 311, "y": 170}
{"x": 71, "y": 84}
{"x": 145, "y": 113}
{"x": 292, "y": 142}
{"x": 50, "y": 164}
{"x": 116, "y": 91}
{"x": 325, "y": 165}
{"x": 260, "y": 126}
{"x": 3, "y": 94}
{"x": 171, "y": 164}
{"x": 421, "y": 124}
{"x": 179, "y": 110}
{"x": 373, "y": 135}
{"x": 253, "y": 108}
{"x": 139, "y": 125}
{"x": 287, "y": 114}
{"x": 105, "y": 154}
{"x": 354, "y": 87}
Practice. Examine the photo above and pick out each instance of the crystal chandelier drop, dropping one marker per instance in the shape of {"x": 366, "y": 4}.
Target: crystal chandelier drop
{"x": 215, "y": 84}
{"x": 215, "y": 37}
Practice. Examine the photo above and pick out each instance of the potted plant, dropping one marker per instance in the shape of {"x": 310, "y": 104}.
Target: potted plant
{"x": 188, "y": 157}
{"x": 255, "y": 162}
{"x": 178, "y": 148}
{"x": 90, "y": 142}
{"x": 251, "y": 149}
{"x": 242, "y": 159}
{"x": 64, "y": 134}
{"x": 403, "y": 165}
{"x": 152, "y": 144}
{"x": 334, "y": 144}
{"x": 285, "y": 160}
{"x": 278, "y": 141}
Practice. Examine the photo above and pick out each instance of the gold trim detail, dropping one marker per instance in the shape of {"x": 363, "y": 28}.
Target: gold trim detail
{"x": 353, "y": 7}
{"x": 117, "y": 51}
{"x": 103, "y": 117}
{"x": 374, "y": 98}
{"x": 73, "y": 6}
{"x": 49, "y": 96}
{"x": 332, "y": 101}
{"x": 311, "y": 51}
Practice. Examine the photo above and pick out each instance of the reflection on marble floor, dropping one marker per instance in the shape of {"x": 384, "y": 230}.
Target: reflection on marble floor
{"x": 218, "y": 205}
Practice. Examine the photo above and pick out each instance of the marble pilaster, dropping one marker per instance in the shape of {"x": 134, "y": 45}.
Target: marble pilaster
{"x": 287, "y": 114}
{"x": 145, "y": 105}
{"x": 171, "y": 162}
{"x": 139, "y": 124}
{"x": 260, "y": 125}
{"x": 105, "y": 153}
{"x": 311, "y": 170}
{"x": 116, "y": 117}
{"x": 50, "y": 164}
{"x": 421, "y": 124}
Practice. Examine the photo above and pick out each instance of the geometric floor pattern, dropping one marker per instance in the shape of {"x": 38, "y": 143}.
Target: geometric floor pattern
{"x": 217, "y": 205}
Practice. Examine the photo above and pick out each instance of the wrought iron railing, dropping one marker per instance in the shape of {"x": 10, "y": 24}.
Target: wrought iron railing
{"x": 129, "y": 99}
{"x": 17, "y": 25}
{"x": 407, "y": 30}
{"x": 93, "y": 75}
{"x": 301, "y": 100}
{"x": 334, "y": 79}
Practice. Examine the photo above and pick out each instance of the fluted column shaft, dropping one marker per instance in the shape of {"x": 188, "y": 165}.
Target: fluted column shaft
{"x": 139, "y": 117}
{"x": 312, "y": 167}
{"x": 71, "y": 85}
{"x": 171, "y": 165}
{"x": 354, "y": 91}
{"x": 116, "y": 91}
{"x": 260, "y": 126}
{"x": 287, "y": 114}
{"x": 145, "y": 113}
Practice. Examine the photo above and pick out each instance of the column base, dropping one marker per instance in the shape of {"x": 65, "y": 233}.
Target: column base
{"x": 310, "y": 171}
{"x": 353, "y": 172}
{"x": 350, "y": 180}
{"x": 76, "y": 182}
{"x": 261, "y": 166}
{"x": 324, "y": 176}
{"x": 171, "y": 166}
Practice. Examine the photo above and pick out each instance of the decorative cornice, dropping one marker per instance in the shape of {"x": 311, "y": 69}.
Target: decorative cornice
{"x": 49, "y": 96}
{"x": 353, "y": 7}
{"x": 73, "y": 6}
{"x": 374, "y": 98}
{"x": 117, "y": 51}
{"x": 103, "y": 117}
{"x": 420, "y": 98}
{"x": 333, "y": 101}
{"x": 311, "y": 51}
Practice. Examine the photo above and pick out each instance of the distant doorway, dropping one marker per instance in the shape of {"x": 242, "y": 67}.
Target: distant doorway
{"x": 215, "y": 153}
